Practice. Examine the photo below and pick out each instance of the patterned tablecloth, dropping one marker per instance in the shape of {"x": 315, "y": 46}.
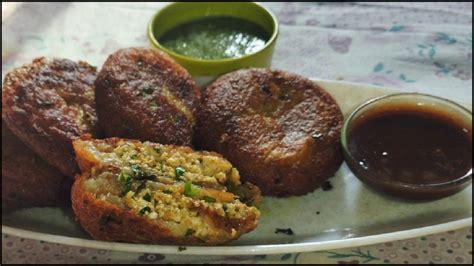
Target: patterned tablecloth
{"x": 425, "y": 47}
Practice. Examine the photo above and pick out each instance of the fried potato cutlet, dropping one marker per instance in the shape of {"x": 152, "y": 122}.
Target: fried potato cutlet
{"x": 47, "y": 104}
{"x": 144, "y": 192}
{"x": 282, "y": 131}
{"x": 144, "y": 94}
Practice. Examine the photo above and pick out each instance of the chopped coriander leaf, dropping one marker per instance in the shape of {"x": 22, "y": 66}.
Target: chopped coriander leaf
{"x": 138, "y": 174}
{"x": 190, "y": 190}
{"x": 128, "y": 186}
{"x": 209, "y": 199}
{"x": 190, "y": 232}
{"x": 162, "y": 168}
{"x": 137, "y": 171}
{"x": 145, "y": 210}
{"x": 148, "y": 89}
{"x": 179, "y": 172}
{"x": 133, "y": 157}
{"x": 147, "y": 197}
{"x": 126, "y": 181}
{"x": 180, "y": 248}
{"x": 157, "y": 149}
{"x": 167, "y": 191}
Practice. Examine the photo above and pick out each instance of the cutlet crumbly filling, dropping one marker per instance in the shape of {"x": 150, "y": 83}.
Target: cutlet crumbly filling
{"x": 172, "y": 184}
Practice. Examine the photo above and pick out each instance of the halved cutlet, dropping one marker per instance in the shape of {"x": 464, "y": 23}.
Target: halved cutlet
{"x": 145, "y": 192}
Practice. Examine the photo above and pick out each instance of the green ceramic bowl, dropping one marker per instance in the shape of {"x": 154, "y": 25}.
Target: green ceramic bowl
{"x": 178, "y": 13}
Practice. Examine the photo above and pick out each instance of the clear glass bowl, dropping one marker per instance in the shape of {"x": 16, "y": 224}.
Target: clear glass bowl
{"x": 426, "y": 191}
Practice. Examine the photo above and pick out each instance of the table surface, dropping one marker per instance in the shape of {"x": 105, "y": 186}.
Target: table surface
{"x": 424, "y": 47}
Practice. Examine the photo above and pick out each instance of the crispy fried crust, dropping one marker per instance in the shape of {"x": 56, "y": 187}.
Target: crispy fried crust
{"x": 47, "y": 104}
{"x": 28, "y": 181}
{"x": 106, "y": 221}
{"x": 279, "y": 129}
{"x": 144, "y": 94}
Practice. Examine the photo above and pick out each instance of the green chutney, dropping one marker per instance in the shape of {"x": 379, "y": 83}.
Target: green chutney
{"x": 215, "y": 38}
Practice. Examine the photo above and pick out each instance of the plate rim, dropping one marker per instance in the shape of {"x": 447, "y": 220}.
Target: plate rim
{"x": 253, "y": 249}
{"x": 244, "y": 249}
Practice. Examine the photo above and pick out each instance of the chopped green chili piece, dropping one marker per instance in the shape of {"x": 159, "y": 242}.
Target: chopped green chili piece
{"x": 190, "y": 190}
{"x": 144, "y": 210}
{"x": 126, "y": 181}
{"x": 128, "y": 186}
{"x": 122, "y": 177}
{"x": 209, "y": 199}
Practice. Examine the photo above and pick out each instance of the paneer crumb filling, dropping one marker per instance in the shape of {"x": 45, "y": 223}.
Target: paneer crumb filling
{"x": 171, "y": 184}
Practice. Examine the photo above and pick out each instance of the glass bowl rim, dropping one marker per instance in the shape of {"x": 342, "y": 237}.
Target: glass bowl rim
{"x": 344, "y": 139}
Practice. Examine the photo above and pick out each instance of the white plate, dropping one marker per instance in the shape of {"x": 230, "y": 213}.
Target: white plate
{"x": 348, "y": 215}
